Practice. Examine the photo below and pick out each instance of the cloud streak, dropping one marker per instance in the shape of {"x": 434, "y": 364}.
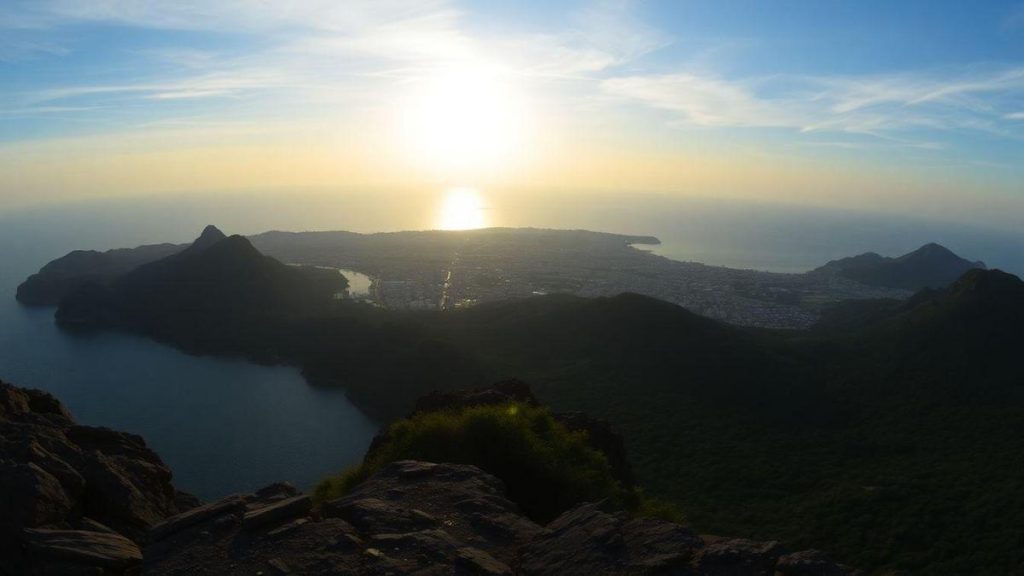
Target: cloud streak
{"x": 337, "y": 52}
{"x": 234, "y": 16}
{"x": 881, "y": 106}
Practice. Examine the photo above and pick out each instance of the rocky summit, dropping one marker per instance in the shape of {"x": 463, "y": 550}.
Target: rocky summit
{"x": 424, "y": 519}
{"x": 84, "y": 500}
{"x": 74, "y": 497}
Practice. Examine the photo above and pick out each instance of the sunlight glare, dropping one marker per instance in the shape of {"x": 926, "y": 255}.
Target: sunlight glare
{"x": 464, "y": 120}
{"x": 462, "y": 209}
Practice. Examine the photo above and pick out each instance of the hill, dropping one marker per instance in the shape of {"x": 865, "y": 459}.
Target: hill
{"x": 215, "y": 277}
{"x": 960, "y": 344}
{"x": 930, "y": 266}
{"x": 64, "y": 275}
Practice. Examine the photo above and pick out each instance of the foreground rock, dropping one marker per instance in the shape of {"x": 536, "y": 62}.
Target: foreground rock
{"x": 419, "y": 518}
{"x": 74, "y": 498}
{"x": 82, "y": 550}
{"x": 78, "y": 500}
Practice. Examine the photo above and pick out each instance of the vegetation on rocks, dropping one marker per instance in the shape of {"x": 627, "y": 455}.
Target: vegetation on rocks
{"x": 546, "y": 468}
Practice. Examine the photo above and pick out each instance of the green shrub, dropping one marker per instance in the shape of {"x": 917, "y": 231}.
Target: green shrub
{"x": 546, "y": 468}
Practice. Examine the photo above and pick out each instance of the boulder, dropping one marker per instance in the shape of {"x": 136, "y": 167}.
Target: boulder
{"x": 810, "y": 563}
{"x": 79, "y": 481}
{"x": 195, "y": 515}
{"x": 412, "y": 551}
{"x": 586, "y": 541}
{"x": 376, "y": 515}
{"x": 409, "y": 518}
{"x": 277, "y": 511}
{"x": 107, "y": 553}
{"x": 30, "y": 496}
{"x": 727, "y": 556}
{"x": 463, "y": 500}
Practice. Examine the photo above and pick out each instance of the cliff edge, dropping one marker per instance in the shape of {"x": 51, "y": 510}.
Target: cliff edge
{"x": 423, "y": 518}
{"x": 74, "y": 498}
{"x": 86, "y": 500}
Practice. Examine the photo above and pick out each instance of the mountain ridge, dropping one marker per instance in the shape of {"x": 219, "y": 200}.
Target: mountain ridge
{"x": 930, "y": 266}
{"x": 215, "y": 275}
{"x": 408, "y": 268}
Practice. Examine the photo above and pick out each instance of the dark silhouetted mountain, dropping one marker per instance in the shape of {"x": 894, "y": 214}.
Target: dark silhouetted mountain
{"x": 508, "y": 263}
{"x": 216, "y": 277}
{"x": 954, "y": 345}
{"x": 398, "y": 251}
{"x": 987, "y": 286}
{"x": 210, "y": 236}
{"x": 385, "y": 358}
{"x": 64, "y": 275}
{"x": 964, "y": 341}
{"x": 930, "y": 266}
{"x": 68, "y": 273}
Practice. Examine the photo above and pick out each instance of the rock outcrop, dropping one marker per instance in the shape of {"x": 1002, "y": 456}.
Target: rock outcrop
{"x": 73, "y": 498}
{"x": 422, "y": 518}
{"x": 91, "y": 501}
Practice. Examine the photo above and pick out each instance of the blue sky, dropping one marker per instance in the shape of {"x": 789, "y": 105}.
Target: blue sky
{"x": 908, "y": 93}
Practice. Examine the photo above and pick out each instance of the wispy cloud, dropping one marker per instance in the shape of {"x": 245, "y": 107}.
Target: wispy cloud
{"x": 706, "y": 101}
{"x": 605, "y": 35}
{"x": 324, "y": 47}
{"x": 912, "y": 89}
{"x": 214, "y": 84}
{"x": 30, "y": 111}
{"x": 881, "y": 106}
{"x": 1014, "y": 21}
{"x": 612, "y": 26}
{"x": 226, "y": 15}
{"x": 13, "y": 49}
{"x": 386, "y": 28}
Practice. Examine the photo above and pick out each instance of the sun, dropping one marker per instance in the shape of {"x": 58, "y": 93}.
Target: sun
{"x": 462, "y": 209}
{"x": 463, "y": 121}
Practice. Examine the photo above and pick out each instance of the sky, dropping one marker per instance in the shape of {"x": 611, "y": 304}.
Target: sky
{"x": 906, "y": 107}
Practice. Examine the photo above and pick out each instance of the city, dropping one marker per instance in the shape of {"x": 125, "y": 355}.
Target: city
{"x": 454, "y": 269}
